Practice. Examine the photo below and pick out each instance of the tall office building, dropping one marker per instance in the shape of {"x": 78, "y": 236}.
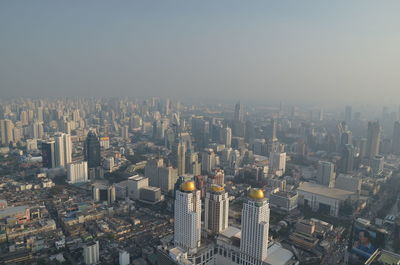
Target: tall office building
{"x": 216, "y": 209}
{"x": 396, "y": 138}
{"x": 373, "y": 139}
{"x": 347, "y": 159}
{"x": 227, "y": 137}
{"x": 92, "y": 150}
{"x": 273, "y": 131}
{"x": 255, "y": 225}
{"x": 6, "y": 132}
{"x": 181, "y": 156}
{"x": 208, "y": 160}
{"x": 277, "y": 163}
{"x": 91, "y": 253}
{"x": 347, "y": 114}
{"x": 239, "y": 112}
{"x": 48, "y": 158}
{"x": 36, "y": 130}
{"x": 125, "y": 132}
{"x": 63, "y": 149}
{"x": 326, "y": 174}
{"x": 77, "y": 172}
{"x": 187, "y": 217}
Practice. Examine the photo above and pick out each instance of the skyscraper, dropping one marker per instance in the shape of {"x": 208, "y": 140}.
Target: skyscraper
{"x": 48, "y": 158}
{"x": 63, "y": 149}
{"x": 92, "y": 150}
{"x": 255, "y": 225}
{"x": 187, "y": 217}
{"x": 396, "y": 138}
{"x": 6, "y": 132}
{"x": 277, "y": 163}
{"x": 181, "y": 156}
{"x": 216, "y": 209}
{"x": 239, "y": 112}
{"x": 373, "y": 139}
{"x": 347, "y": 114}
{"x": 227, "y": 136}
{"x": 347, "y": 160}
{"x": 326, "y": 174}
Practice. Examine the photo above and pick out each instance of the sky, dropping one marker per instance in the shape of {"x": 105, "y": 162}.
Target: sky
{"x": 317, "y": 51}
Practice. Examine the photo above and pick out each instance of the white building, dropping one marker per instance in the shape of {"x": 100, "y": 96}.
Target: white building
{"x": 77, "y": 172}
{"x": 109, "y": 164}
{"x": 91, "y": 253}
{"x": 277, "y": 163}
{"x": 124, "y": 258}
{"x": 135, "y": 183}
{"x": 216, "y": 210}
{"x": 62, "y": 149}
{"x": 255, "y": 225}
{"x": 187, "y": 217}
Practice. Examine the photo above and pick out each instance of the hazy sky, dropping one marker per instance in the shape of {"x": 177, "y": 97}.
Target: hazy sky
{"x": 344, "y": 51}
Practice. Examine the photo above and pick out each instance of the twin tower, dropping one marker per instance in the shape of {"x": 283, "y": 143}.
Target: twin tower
{"x": 254, "y": 225}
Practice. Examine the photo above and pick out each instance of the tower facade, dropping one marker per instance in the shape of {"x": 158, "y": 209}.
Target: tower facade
{"x": 326, "y": 174}
{"x": 92, "y": 150}
{"x": 187, "y": 217}
{"x": 63, "y": 149}
{"x": 373, "y": 139}
{"x": 216, "y": 209}
{"x": 181, "y": 158}
{"x": 255, "y": 225}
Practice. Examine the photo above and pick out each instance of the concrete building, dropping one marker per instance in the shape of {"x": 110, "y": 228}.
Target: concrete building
{"x": 48, "y": 157}
{"x": 326, "y": 174}
{"x": 373, "y": 139}
{"x": 62, "y": 149}
{"x": 6, "y": 132}
{"x": 77, "y": 172}
{"x": 322, "y": 198}
{"x": 187, "y": 217}
{"x": 216, "y": 210}
{"x": 255, "y": 225}
{"x": 103, "y": 193}
{"x": 285, "y": 201}
{"x": 91, "y": 253}
{"x": 135, "y": 183}
{"x": 348, "y": 182}
{"x": 150, "y": 194}
{"x": 277, "y": 163}
{"x": 123, "y": 258}
{"x": 377, "y": 163}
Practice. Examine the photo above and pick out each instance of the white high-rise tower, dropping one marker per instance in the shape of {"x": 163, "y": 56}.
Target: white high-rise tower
{"x": 255, "y": 225}
{"x": 63, "y": 149}
{"x": 187, "y": 217}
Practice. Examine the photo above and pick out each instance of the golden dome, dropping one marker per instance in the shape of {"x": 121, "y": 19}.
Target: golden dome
{"x": 256, "y": 194}
{"x": 188, "y": 186}
{"x": 217, "y": 188}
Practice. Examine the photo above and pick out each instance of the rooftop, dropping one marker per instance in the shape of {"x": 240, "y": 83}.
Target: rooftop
{"x": 324, "y": 191}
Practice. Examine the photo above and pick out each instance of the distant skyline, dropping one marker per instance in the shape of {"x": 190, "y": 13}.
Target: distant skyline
{"x": 307, "y": 51}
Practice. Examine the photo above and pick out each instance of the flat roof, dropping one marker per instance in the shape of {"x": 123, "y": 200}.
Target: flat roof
{"x": 231, "y": 231}
{"x": 136, "y": 178}
{"x": 384, "y": 257}
{"x": 277, "y": 255}
{"x": 13, "y": 210}
{"x": 325, "y": 191}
